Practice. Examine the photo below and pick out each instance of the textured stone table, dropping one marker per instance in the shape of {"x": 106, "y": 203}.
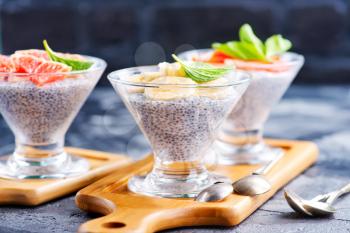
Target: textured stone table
{"x": 321, "y": 114}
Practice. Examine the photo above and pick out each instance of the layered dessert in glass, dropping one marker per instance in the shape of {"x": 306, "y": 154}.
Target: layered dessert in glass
{"x": 41, "y": 92}
{"x": 179, "y": 111}
{"x": 272, "y": 69}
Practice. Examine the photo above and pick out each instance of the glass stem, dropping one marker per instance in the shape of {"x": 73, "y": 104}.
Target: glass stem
{"x": 179, "y": 169}
{"x": 247, "y": 138}
{"x": 42, "y": 161}
{"x": 43, "y": 154}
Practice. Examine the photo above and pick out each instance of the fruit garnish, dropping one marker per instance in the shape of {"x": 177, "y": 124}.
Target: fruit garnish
{"x": 171, "y": 69}
{"x": 6, "y": 65}
{"x": 215, "y": 92}
{"x": 48, "y": 71}
{"x": 47, "y": 67}
{"x": 25, "y": 63}
{"x": 41, "y": 66}
{"x": 75, "y": 64}
{"x": 168, "y": 90}
{"x": 276, "y": 66}
{"x": 201, "y": 72}
{"x": 34, "y": 52}
{"x": 218, "y": 57}
{"x": 250, "y": 47}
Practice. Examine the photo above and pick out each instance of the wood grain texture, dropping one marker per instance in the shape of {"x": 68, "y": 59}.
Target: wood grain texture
{"x": 33, "y": 192}
{"x": 128, "y": 212}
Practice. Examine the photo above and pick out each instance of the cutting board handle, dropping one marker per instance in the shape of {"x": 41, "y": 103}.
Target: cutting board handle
{"x": 121, "y": 221}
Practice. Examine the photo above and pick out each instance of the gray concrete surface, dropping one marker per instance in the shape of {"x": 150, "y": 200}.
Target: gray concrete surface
{"x": 321, "y": 114}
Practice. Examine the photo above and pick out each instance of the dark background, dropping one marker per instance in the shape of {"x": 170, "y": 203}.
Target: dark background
{"x": 130, "y": 32}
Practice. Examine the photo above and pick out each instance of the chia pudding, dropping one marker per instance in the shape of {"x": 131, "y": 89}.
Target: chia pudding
{"x": 267, "y": 86}
{"x": 180, "y": 117}
{"x": 180, "y": 129}
{"x": 41, "y": 114}
{"x": 272, "y": 70}
{"x": 264, "y": 91}
{"x": 41, "y": 91}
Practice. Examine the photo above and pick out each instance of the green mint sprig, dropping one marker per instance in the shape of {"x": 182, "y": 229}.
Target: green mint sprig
{"x": 75, "y": 64}
{"x": 201, "y": 72}
{"x": 250, "y": 47}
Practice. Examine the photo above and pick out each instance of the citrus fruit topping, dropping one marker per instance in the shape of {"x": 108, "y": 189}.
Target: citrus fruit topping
{"x": 48, "y": 72}
{"x": 34, "y": 52}
{"x": 6, "y": 65}
{"x": 26, "y": 63}
{"x": 52, "y": 67}
{"x": 218, "y": 57}
{"x": 277, "y": 66}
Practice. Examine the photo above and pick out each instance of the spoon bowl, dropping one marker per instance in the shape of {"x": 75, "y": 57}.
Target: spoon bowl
{"x": 308, "y": 207}
{"x": 319, "y": 208}
{"x": 296, "y": 203}
{"x": 251, "y": 185}
{"x": 215, "y": 192}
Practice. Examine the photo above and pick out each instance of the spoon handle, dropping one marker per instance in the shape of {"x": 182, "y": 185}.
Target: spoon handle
{"x": 334, "y": 195}
{"x": 265, "y": 169}
{"x": 322, "y": 197}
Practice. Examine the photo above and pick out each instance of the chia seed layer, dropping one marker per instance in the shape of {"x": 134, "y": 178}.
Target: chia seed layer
{"x": 43, "y": 114}
{"x": 181, "y": 129}
{"x": 253, "y": 109}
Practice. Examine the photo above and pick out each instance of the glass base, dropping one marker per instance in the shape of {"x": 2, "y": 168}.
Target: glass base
{"x": 174, "y": 187}
{"x": 260, "y": 153}
{"x": 60, "y": 166}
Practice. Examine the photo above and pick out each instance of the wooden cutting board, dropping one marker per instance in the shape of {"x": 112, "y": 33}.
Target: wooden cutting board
{"x": 33, "y": 192}
{"x": 131, "y": 213}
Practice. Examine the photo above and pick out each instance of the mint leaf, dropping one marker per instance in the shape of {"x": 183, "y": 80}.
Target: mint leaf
{"x": 202, "y": 72}
{"x": 225, "y": 48}
{"x": 241, "y": 50}
{"x": 247, "y": 51}
{"x": 75, "y": 64}
{"x": 250, "y": 47}
{"x": 276, "y": 44}
{"x": 247, "y": 36}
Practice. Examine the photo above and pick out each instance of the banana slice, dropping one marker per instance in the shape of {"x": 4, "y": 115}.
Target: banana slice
{"x": 215, "y": 92}
{"x": 150, "y": 76}
{"x": 171, "y": 69}
{"x": 145, "y": 77}
{"x": 135, "y": 89}
{"x": 169, "y": 92}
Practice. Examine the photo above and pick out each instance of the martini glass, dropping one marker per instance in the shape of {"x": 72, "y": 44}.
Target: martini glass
{"x": 179, "y": 129}
{"x": 39, "y": 117}
{"x": 241, "y": 138}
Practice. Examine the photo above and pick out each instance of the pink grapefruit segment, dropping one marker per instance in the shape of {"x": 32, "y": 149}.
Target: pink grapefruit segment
{"x": 275, "y": 67}
{"x": 48, "y": 72}
{"x": 34, "y": 52}
{"x": 6, "y": 64}
{"x": 35, "y": 65}
{"x": 249, "y": 65}
{"x": 26, "y": 63}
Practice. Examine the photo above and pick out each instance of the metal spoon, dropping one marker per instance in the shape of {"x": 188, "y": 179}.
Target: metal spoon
{"x": 256, "y": 183}
{"x": 215, "y": 192}
{"x": 319, "y": 206}
{"x": 221, "y": 190}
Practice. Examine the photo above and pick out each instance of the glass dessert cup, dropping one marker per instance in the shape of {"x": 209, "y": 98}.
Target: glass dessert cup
{"x": 39, "y": 117}
{"x": 241, "y": 138}
{"x": 179, "y": 128}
